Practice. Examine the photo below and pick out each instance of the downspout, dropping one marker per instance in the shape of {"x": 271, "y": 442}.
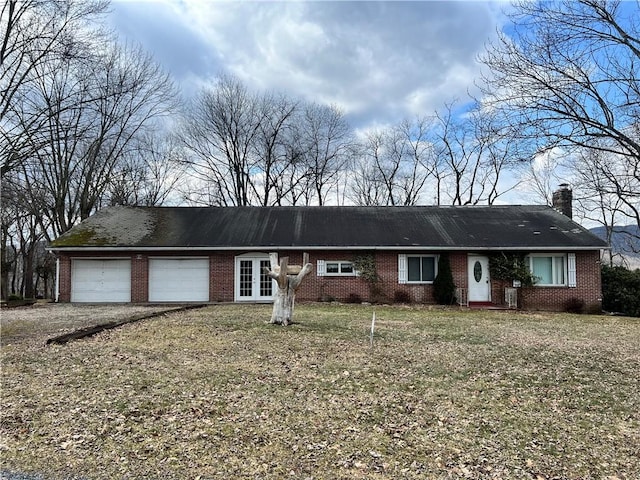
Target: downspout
{"x": 57, "y": 279}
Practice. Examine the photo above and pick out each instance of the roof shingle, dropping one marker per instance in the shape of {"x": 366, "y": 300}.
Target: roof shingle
{"x": 455, "y": 228}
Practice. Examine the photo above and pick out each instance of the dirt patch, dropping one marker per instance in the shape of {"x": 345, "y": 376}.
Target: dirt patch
{"x": 39, "y": 322}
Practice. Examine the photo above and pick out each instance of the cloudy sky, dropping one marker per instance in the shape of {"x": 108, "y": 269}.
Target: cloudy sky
{"x": 379, "y": 61}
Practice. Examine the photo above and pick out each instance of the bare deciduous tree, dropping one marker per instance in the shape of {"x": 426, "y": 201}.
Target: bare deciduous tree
{"x": 472, "y": 152}
{"x": 148, "y": 173}
{"x": 34, "y": 32}
{"x": 394, "y": 165}
{"x": 263, "y": 149}
{"x": 92, "y": 121}
{"x": 273, "y": 178}
{"x": 327, "y": 145}
{"x": 569, "y": 77}
{"x": 220, "y": 130}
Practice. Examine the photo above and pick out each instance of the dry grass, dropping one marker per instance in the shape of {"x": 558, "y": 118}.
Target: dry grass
{"x": 217, "y": 393}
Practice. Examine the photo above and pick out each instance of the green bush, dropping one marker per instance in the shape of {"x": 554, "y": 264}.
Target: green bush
{"x": 621, "y": 290}
{"x": 509, "y": 267}
{"x": 401, "y": 296}
{"x": 574, "y": 305}
{"x": 444, "y": 290}
{"x": 353, "y": 298}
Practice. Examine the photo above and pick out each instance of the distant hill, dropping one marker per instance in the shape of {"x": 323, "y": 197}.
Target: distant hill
{"x": 620, "y": 242}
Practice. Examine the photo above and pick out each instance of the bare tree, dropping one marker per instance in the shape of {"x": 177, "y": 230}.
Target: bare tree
{"x": 92, "y": 121}
{"x": 568, "y": 77}
{"x": 263, "y": 149}
{"x": 394, "y": 165}
{"x": 472, "y": 153}
{"x": 592, "y": 198}
{"x": 367, "y": 186}
{"x": 273, "y": 179}
{"x": 22, "y": 235}
{"x": 148, "y": 173}
{"x": 220, "y": 130}
{"x": 327, "y": 144}
{"x": 542, "y": 176}
{"x": 33, "y": 32}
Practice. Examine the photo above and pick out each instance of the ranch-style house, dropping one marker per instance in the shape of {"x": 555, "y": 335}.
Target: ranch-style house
{"x": 217, "y": 254}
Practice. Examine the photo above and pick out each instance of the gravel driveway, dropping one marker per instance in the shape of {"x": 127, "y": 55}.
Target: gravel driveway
{"x": 41, "y": 321}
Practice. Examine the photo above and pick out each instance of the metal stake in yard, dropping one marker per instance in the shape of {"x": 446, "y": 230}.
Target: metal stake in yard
{"x": 373, "y": 326}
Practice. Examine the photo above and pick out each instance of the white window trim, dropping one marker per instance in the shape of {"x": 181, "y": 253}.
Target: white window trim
{"x": 572, "y": 278}
{"x": 565, "y": 262}
{"x": 403, "y": 268}
{"x": 326, "y": 273}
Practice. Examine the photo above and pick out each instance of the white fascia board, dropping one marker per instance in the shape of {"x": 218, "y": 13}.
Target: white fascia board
{"x": 324, "y": 248}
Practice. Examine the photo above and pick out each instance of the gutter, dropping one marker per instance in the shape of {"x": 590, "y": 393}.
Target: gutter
{"x": 331, "y": 248}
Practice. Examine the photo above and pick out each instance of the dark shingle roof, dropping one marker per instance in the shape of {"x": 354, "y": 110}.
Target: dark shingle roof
{"x": 467, "y": 227}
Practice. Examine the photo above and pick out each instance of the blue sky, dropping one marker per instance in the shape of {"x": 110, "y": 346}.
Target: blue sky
{"x": 380, "y": 62}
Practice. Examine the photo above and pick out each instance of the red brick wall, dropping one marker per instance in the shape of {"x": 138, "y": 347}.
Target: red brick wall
{"x": 139, "y": 278}
{"x": 588, "y": 288}
{"x": 314, "y": 288}
{"x": 64, "y": 279}
{"x": 221, "y": 277}
{"x": 341, "y": 288}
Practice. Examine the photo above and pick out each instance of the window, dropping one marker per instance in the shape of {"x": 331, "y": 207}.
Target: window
{"x": 335, "y": 268}
{"x": 548, "y": 269}
{"x": 417, "y": 268}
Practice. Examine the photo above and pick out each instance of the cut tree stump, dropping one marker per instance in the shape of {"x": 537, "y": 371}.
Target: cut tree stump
{"x": 288, "y": 277}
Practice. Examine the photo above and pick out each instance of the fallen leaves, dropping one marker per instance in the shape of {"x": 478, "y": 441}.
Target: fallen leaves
{"x": 217, "y": 393}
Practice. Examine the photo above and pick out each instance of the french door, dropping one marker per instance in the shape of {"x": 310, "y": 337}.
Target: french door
{"x": 251, "y": 283}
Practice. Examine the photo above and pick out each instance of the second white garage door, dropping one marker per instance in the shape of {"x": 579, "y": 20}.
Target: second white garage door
{"x": 178, "y": 279}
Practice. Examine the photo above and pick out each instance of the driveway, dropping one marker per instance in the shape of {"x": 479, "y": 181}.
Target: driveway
{"x": 42, "y": 321}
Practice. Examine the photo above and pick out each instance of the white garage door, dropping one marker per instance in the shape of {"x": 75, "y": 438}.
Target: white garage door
{"x": 178, "y": 279}
{"x": 101, "y": 280}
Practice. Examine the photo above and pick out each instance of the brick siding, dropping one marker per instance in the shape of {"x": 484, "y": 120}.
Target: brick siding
{"x": 588, "y": 288}
{"x": 139, "y": 278}
{"x": 347, "y": 288}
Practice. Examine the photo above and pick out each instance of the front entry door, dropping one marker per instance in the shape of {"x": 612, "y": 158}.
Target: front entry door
{"x": 479, "y": 284}
{"x": 251, "y": 283}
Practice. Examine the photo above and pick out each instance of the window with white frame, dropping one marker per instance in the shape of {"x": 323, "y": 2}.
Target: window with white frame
{"x": 330, "y": 268}
{"x": 548, "y": 269}
{"x": 417, "y": 268}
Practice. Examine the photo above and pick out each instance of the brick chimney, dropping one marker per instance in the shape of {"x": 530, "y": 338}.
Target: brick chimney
{"x": 562, "y": 198}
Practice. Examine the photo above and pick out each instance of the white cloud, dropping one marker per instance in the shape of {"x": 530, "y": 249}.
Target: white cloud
{"x": 379, "y": 61}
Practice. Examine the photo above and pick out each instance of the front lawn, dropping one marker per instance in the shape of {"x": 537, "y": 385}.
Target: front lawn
{"x": 218, "y": 393}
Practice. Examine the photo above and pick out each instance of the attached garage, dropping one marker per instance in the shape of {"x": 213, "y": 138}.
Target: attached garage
{"x": 179, "y": 279}
{"x": 101, "y": 280}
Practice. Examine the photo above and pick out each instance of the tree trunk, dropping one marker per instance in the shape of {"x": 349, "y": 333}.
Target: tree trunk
{"x": 28, "y": 291}
{"x": 283, "y": 306}
{"x": 5, "y": 264}
{"x": 289, "y": 279}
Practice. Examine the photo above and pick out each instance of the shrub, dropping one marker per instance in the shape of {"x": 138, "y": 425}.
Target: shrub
{"x": 621, "y": 290}
{"x": 401, "y": 296}
{"x": 366, "y": 267}
{"x": 444, "y": 290}
{"x": 509, "y": 267}
{"x": 574, "y": 305}
{"x": 354, "y": 298}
